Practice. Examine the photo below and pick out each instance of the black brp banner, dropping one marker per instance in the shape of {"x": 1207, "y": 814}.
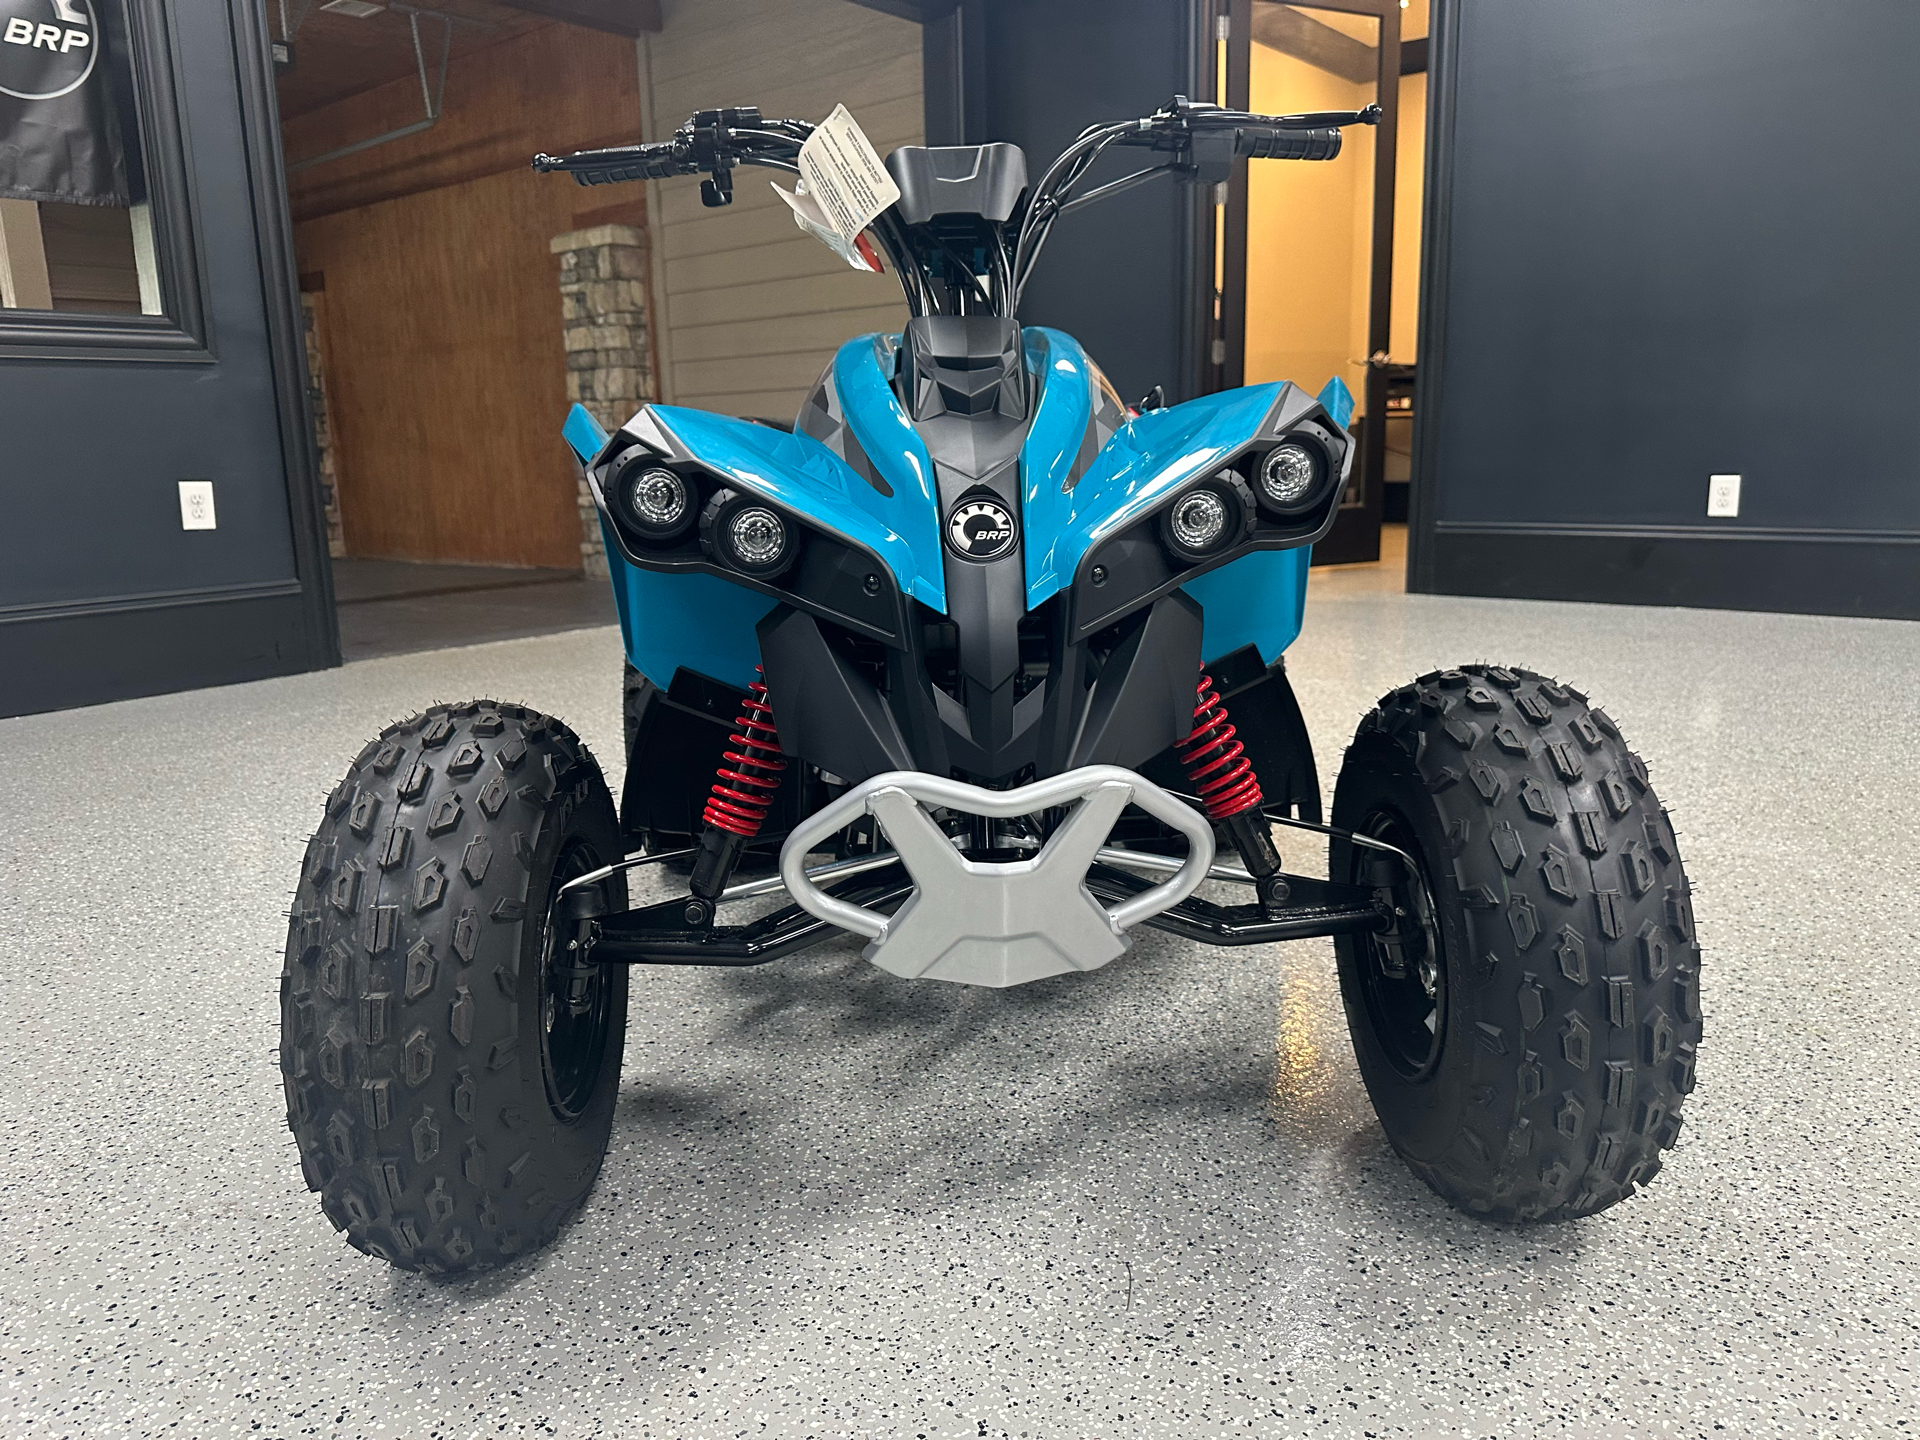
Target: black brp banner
{"x": 60, "y": 134}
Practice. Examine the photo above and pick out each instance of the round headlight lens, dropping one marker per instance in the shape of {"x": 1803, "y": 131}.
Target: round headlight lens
{"x": 745, "y": 533}
{"x": 1290, "y": 474}
{"x": 659, "y": 500}
{"x": 1198, "y": 521}
{"x": 756, "y": 537}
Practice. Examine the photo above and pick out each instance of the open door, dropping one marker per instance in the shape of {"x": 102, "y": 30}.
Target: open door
{"x": 1308, "y": 251}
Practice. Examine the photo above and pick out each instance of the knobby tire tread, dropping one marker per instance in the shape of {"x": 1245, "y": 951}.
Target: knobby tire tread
{"x": 1577, "y": 1005}
{"x": 415, "y": 1090}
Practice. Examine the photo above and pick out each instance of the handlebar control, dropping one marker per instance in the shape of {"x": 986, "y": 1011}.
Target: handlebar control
{"x": 1206, "y": 138}
{"x": 712, "y": 140}
{"x": 655, "y": 161}
{"x": 1200, "y": 143}
{"x": 1265, "y": 142}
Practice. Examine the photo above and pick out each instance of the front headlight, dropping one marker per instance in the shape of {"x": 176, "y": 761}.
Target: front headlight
{"x": 1208, "y": 519}
{"x": 756, "y": 537}
{"x": 1199, "y": 521}
{"x": 654, "y": 501}
{"x": 1293, "y": 476}
{"x": 746, "y": 534}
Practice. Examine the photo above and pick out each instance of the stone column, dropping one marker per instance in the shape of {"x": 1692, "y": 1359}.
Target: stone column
{"x": 603, "y": 309}
{"x": 322, "y": 429}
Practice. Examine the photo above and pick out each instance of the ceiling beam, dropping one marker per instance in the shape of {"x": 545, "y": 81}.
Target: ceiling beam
{"x": 631, "y": 18}
{"x": 1291, "y": 33}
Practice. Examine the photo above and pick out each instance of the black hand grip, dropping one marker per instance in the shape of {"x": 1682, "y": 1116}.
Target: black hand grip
{"x": 623, "y": 162}
{"x": 1266, "y": 142}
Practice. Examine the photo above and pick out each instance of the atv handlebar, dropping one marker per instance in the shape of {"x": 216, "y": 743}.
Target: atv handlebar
{"x": 712, "y": 140}
{"x": 1203, "y": 141}
{"x": 718, "y": 140}
{"x": 654, "y": 161}
{"x": 1268, "y": 142}
{"x": 1200, "y": 141}
{"x": 1262, "y": 139}
{"x": 1199, "y": 134}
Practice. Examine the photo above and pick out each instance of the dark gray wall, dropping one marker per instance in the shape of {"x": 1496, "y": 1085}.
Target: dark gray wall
{"x": 1667, "y": 241}
{"x": 1120, "y": 276}
{"x": 102, "y": 594}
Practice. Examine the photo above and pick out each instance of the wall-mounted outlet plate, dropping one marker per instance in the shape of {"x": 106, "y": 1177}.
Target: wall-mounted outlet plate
{"x": 1723, "y": 496}
{"x": 196, "y": 505}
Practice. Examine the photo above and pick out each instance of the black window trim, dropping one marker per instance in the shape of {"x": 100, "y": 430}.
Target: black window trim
{"x": 181, "y": 333}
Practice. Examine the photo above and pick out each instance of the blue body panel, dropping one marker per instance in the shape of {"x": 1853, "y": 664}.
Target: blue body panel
{"x": 1150, "y": 457}
{"x": 706, "y": 623}
{"x": 797, "y": 471}
{"x": 586, "y": 435}
{"x": 1256, "y": 600}
{"x": 1046, "y": 459}
{"x": 862, "y": 373}
{"x": 668, "y": 620}
{"x": 691, "y": 619}
{"x": 1337, "y": 400}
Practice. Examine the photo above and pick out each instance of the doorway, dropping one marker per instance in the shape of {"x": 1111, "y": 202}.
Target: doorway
{"x": 1322, "y": 261}
{"x": 439, "y": 314}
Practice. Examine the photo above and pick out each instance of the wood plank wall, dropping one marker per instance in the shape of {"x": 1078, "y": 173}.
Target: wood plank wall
{"x": 90, "y": 260}
{"x": 753, "y": 307}
{"x": 446, "y": 375}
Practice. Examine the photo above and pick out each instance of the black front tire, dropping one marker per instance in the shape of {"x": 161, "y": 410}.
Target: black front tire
{"x": 450, "y": 1105}
{"x": 1528, "y": 1040}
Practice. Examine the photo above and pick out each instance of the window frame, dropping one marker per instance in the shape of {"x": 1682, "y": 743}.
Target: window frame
{"x": 180, "y": 332}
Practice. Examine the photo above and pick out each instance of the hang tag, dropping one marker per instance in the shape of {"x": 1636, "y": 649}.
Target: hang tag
{"x": 845, "y": 175}
{"x": 809, "y": 216}
{"x": 843, "y": 186}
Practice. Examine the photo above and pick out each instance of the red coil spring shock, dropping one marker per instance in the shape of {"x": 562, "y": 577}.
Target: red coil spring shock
{"x": 1217, "y": 764}
{"x": 749, "y": 770}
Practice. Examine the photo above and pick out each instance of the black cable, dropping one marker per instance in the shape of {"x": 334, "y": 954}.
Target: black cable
{"x": 966, "y": 268}
{"x": 1067, "y": 167}
{"x": 1046, "y": 208}
{"x": 774, "y": 136}
{"x": 906, "y": 267}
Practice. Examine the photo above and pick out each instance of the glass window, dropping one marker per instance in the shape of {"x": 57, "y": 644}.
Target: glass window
{"x": 76, "y": 226}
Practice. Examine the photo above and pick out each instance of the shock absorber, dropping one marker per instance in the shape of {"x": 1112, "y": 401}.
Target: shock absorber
{"x": 743, "y": 788}
{"x": 1223, "y": 778}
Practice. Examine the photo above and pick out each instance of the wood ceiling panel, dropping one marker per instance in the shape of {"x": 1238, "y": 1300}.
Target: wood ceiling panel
{"x": 628, "y": 18}
{"x": 336, "y": 55}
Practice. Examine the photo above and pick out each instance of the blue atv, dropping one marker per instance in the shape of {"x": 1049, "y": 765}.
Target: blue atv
{"x": 947, "y": 665}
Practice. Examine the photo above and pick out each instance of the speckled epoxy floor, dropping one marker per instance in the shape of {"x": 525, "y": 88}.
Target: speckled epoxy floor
{"x": 1148, "y": 1201}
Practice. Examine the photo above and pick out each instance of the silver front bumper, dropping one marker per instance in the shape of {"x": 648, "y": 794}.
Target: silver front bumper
{"x": 997, "y": 923}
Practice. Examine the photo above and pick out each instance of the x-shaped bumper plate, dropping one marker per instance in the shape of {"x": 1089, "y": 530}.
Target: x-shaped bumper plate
{"x": 997, "y": 923}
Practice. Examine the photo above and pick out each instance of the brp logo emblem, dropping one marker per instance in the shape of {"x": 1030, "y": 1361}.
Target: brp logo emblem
{"x": 980, "y": 530}
{"x": 47, "y": 47}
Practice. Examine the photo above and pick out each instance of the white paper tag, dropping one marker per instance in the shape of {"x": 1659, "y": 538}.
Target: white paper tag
{"x": 808, "y": 215}
{"x": 844, "y": 174}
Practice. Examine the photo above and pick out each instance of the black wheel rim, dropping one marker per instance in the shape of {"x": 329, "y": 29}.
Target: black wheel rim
{"x": 576, "y": 1009}
{"x": 1403, "y": 970}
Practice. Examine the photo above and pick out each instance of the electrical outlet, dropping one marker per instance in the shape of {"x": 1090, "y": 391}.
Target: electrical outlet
{"x": 1723, "y": 496}
{"x": 196, "y": 505}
